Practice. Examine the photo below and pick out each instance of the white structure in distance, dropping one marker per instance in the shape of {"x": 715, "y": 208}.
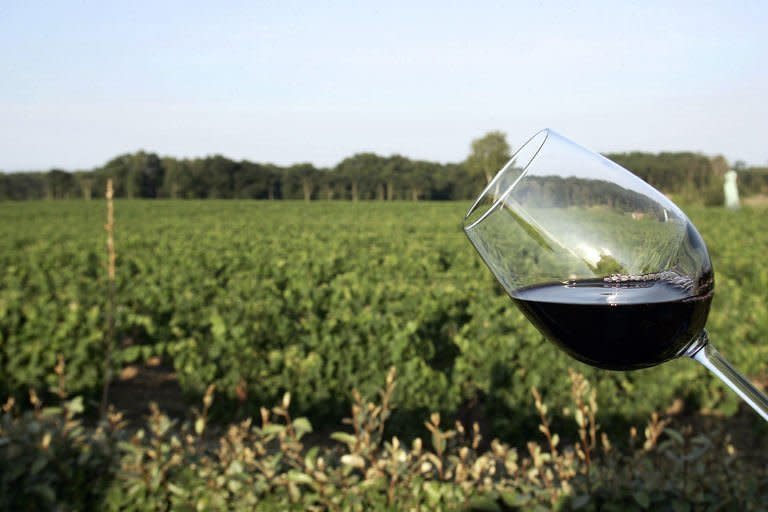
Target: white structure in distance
{"x": 731, "y": 190}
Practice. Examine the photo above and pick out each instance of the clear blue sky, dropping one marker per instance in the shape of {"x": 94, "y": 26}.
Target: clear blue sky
{"x": 317, "y": 81}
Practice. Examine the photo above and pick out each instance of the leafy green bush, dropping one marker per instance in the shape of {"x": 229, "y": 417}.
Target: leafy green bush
{"x": 50, "y": 461}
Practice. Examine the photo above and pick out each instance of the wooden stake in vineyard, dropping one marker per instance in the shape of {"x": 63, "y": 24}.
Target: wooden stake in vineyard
{"x": 109, "y": 335}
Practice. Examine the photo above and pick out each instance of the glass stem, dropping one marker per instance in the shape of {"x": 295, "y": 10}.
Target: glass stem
{"x": 705, "y": 353}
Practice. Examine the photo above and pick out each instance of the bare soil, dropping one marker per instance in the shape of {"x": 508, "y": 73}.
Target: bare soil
{"x": 138, "y": 385}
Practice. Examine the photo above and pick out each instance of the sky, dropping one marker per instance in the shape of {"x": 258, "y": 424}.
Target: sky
{"x": 317, "y": 81}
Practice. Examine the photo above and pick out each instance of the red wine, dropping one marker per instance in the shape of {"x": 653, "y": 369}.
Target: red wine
{"x": 618, "y": 325}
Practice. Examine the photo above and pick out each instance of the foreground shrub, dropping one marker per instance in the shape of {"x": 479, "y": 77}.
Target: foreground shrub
{"x": 48, "y": 460}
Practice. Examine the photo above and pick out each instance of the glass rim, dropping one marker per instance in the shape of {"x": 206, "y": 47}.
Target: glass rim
{"x": 545, "y": 133}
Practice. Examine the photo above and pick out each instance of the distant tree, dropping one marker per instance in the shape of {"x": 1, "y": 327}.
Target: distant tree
{"x": 151, "y": 174}
{"x": 418, "y": 178}
{"x": 358, "y": 171}
{"x": 59, "y": 184}
{"x": 251, "y": 181}
{"x": 360, "y": 176}
{"x": 489, "y": 154}
{"x": 86, "y": 181}
{"x": 329, "y": 183}
{"x": 720, "y": 165}
{"x": 219, "y": 174}
{"x": 393, "y": 173}
{"x": 753, "y": 181}
{"x": 303, "y": 176}
{"x": 272, "y": 178}
{"x": 171, "y": 179}
{"x": 189, "y": 180}
{"x": 5, "y": 187}
{"x": 445, "y": 182}
{"x": 462, "y": 184}
{"x": 136, "y": 175}
{"x": 199, "y": 182}
{"x": 120, "y": 169}
{"x": 26, "y": 185}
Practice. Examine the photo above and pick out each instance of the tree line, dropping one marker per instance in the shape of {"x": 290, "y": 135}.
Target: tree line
{"x": 363, "y": 176}
{"x": 147, "y": 175}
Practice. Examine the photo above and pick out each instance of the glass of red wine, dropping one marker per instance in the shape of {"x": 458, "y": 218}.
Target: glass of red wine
{"x": 604, "y": 265}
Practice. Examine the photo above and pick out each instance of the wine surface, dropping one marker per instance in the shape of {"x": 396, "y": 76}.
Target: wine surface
{"x": 617, "y": 326}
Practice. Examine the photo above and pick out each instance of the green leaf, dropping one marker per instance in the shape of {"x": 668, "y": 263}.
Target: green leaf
{"x": 302, "y": 426}
{"x": 235, "y": 468}
{"x": 580, "y": 501}
{"x": 40, "y": 462}
{"x": 234, "y": 485}
{"x": 432, "y": 490}
{"x": 675, "y": 435}
{"x": 75, "y": 406}
{"x": 273, "y": 429}
{"x": 642, "y": 498}
{"x": 175, "y": 489}
{"x": 45, "y": 492}
{"x": 345, "y": 438}
{"x": 484, "y": 504}
{"x": 130, "y": 354}
{"x": 353, "y": 460}
{"x": 299, "y": 477}
{"x": 218, "y": 327}
{"x": 311, "y": 458}
{"x": 515, "y": 499}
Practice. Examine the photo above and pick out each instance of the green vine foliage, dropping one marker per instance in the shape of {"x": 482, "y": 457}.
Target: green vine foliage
{"x": 318, "y": 298}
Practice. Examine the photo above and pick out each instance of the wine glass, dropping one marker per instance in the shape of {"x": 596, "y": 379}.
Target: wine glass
{"x": 603, "y": 264}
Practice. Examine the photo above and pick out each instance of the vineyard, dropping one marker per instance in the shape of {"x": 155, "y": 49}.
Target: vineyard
{"x": 247, "y": 304}
{"x": 318, "y": 298}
